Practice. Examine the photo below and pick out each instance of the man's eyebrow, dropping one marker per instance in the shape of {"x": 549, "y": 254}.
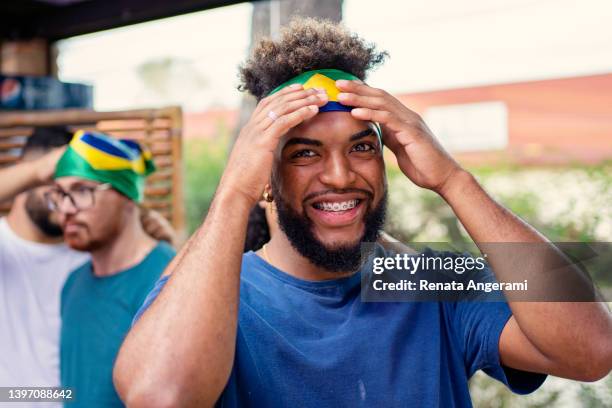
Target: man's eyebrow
{"x": 78, "y": 184}
{"x": 304, "y": 141}
{"x": 363, "y": 133}
{"x": 314, "y": 142}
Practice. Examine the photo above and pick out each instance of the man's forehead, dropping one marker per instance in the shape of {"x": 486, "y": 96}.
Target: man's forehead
{"x": 323, "y": 139}
{"x": 74, "y": 181}
{"x": 326, "y": 134}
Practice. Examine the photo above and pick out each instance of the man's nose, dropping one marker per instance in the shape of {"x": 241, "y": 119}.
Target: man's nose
{"x": 67, "y": 207}
{"x": 337, "y": 172}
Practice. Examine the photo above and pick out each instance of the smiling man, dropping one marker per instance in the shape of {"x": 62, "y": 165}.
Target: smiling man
{"x": 285, "y": 326}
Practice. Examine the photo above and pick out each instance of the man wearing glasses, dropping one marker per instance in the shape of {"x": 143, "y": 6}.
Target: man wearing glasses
{"x": 99, "y": 182}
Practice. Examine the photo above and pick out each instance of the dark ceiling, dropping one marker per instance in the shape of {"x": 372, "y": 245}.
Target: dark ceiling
{"x": 57, "y": 19}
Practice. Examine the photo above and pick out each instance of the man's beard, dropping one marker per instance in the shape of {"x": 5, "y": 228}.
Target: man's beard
{"x": 84, "y": 242}
{"x": 40, "y": 215}
{"x": 344, "y": 258}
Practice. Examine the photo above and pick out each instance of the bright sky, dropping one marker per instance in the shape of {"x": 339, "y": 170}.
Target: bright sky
{"x": 437, "y": 44}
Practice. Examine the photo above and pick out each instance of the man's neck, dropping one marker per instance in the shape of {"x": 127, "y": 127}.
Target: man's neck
{"x": 285, "y": 257}
{"x": 22, "y": 225}
{"x": 125, "y": 250}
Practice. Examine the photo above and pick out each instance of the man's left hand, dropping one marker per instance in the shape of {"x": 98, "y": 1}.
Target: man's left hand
{"x": 157, "y": 226}
{"x": 419, "y": 155}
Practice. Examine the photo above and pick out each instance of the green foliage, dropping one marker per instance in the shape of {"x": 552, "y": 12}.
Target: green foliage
{"x": 591, "y": 397}
{"x": 205, "y": 160}
{"x": 489, "y": 393}
{"x": 565, "y": 204}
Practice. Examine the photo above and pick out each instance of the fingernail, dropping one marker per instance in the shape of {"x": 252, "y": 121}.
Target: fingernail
{"x": 342, "y": 82}
{"x": 322, "y": 96}
{"x": 342, "y": 95}
{"x": 295, "y": 86}
{"x": 313, "y": 108}
{"x": 321, "y": 90}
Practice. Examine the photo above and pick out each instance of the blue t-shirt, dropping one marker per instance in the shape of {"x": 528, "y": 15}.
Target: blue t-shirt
{"x": 96, "y": 316}
{"x": 316, "y": 344}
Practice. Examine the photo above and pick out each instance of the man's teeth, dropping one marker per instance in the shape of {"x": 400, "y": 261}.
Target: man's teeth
{"x": 337, "y": 206}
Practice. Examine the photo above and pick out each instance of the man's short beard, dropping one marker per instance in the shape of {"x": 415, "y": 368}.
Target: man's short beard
{"x": 345, "y": 258}
{"x": 40, "y": 215}
{"x": 85, "y": 245}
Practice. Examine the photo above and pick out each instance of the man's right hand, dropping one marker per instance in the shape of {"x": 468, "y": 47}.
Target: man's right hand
{"x": 250, "y": 163}
{"x": 45, "y": 165}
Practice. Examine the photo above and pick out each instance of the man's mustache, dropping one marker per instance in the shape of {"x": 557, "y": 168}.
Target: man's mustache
{"x": 72, "y": 221}
{"x": 311, "y": 196}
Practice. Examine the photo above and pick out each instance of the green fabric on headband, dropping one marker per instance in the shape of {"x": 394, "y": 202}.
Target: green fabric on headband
{"x": 333, "y": 74}
{"x": 326, "y": 79}
{"x": 125, "y": 181}
{"x": 98, "y": 157}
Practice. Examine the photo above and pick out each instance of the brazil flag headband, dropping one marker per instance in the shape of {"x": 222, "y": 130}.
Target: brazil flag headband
{"x": 326, "y": 79}
{"x": 123, "y": 164}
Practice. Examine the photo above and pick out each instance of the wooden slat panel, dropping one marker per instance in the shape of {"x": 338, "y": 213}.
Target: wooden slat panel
{"x": 15, "y": 131}
{"x": 159, "y": 176}
{"x": 163, "y": 161}
{"x": 78, "y": 116}
{"x": 157, "y": 205}
{"x": 156, "y": 149}
{"x": 135, "y": 134}
{"x": 159, "y": 144}
{"x": 159, "y": 129}
{"x": 11, "y": 145}
{"x": 8, "y": 159}
{"x": 152, "y": 191}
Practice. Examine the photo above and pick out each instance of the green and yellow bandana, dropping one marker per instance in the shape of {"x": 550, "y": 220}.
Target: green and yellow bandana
{"x": 124, "y": 164}
{"x": 326, "y": 79}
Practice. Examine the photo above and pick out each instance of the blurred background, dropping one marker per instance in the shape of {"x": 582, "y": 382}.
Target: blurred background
{"x": 520, "y": 91}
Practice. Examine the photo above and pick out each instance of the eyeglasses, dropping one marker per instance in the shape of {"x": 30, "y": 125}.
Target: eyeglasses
{"x": 81, "y": 197}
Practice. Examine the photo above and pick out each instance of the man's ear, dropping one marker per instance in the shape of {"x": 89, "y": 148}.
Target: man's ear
{"x": 267, "y": 195}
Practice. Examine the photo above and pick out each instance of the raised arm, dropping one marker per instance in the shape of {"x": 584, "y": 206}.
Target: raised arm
{"x": 28, "y": 174}
{"x": 566, "y": 339}
{"x": 563, "y": 338}
{"x": 181, "y": 351}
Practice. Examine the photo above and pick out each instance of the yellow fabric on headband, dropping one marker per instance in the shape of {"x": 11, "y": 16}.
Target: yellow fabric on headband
{"x": 321, "y": 81}
{"x": 100, "y": 160}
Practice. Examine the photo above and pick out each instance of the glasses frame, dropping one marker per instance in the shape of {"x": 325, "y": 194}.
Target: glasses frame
{"x": 52, "y": 206}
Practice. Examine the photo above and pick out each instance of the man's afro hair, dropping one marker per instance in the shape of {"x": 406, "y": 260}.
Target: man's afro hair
{"x": 306, "y": 44}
